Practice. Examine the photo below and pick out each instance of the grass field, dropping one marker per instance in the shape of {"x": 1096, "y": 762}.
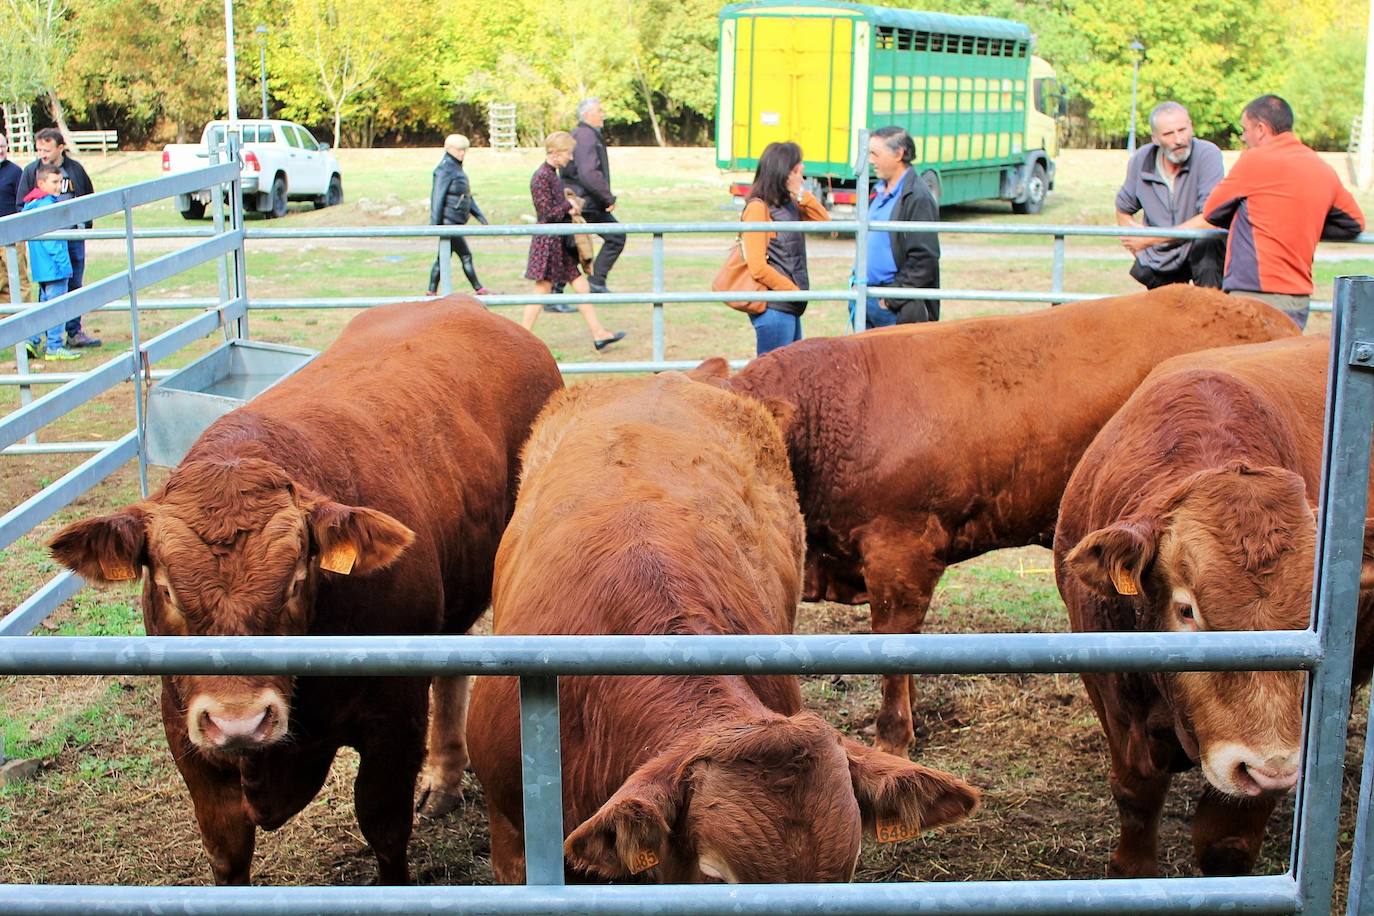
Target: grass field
{"x": 108, "y": 805}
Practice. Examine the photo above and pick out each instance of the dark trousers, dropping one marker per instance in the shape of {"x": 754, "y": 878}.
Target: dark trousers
{"x": 77, "y": 252}
{"x": 611, "y": 246}
{"x": 1203, "y": 267}
{"x": 460, "y": 248}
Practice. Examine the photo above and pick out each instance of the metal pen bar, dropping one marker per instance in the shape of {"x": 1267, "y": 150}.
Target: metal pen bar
{"x": 43, "y": 504}
{"x": 21, "y": 353}
{"x": 57, "y": 448}
{"x": 35, "y": 609}
{"x": 1335, "y": 592}
{"x": 1057, "y": 269}
{"x": 193, "y": 329}
{"x": 445, "y": 265}
{"x": 658, "y": 346}
{"x": 541, "y": 769}
{"x": 61, "y": 216}
{"x": 924, "y": 653}
{"x": 1361, "y": 897}
{"x": 1254, "y": 896}
{"x": 140, "y": 424}
{"x": 239, "y": 286}
{"x": 56, "y": 404}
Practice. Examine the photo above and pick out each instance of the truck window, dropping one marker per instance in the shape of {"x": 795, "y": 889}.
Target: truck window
{"x": 290, "y": 132}
{"x": 1047, "y": 96}
{"x": 214, "y": 136}
{"x": 308, "y": 139}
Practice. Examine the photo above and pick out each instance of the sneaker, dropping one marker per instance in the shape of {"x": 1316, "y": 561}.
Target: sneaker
{"x": 32, "y": 350}
{"x": 60, "y": 354}
{"x": 81, "y": 339}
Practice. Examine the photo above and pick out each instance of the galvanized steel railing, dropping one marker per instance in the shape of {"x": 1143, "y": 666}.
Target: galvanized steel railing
{"x": 1324, "y": 650}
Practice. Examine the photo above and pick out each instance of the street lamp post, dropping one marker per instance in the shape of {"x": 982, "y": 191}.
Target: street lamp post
{"x": 1136, "y": 53}
{"x": 261, "y": 31}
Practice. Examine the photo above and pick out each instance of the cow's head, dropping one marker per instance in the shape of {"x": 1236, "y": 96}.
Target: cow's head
{"x": 231, "y": 549}
{"x": 777, "y": 799}
{"x": 1231, "y": 548}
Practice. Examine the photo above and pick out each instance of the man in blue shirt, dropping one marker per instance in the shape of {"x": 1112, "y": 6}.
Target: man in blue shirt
{"x": 902, "y": 259}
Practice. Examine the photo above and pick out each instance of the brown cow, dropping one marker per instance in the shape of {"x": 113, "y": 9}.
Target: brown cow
{"x": 1191, "y": 511}
{"x": 662, "y": 506}
{"x": 920, "y": 446}
{"x": 367, "y": 493}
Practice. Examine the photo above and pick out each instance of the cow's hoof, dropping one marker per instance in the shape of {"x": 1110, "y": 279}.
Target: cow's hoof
{"x": 1118, "y": 867}
{"x": 894, "y": 748}
{"x": 435, "y": 802}
{"x": 1226, "y": 858}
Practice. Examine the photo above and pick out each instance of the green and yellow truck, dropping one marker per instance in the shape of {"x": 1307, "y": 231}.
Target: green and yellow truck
{"x": 980, "y": 106}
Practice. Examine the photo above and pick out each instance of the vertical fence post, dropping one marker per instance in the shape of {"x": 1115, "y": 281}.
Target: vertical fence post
{"x": 222, "y": 264}
{"x": 136, "y": 348}
{"x": 1340, "y": 547}
{"x": 859, "y": 293}
{"x": 21, "y": 353}
{"x": 240, "y": 284}
{"x": 1361, "y": 899}
{"x": 658, "y": 348}
{"x": 1057, "y": 272}
{"x": 445, "y": 265}
{"x": 541, "y": 767}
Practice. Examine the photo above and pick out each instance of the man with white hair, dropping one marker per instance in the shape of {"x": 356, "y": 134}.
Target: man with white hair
{"x": 1169, "y": 180}
{"x": 588, "y": 175}
{"x": 10, "y": 173}
{"x": 450, "y": 204}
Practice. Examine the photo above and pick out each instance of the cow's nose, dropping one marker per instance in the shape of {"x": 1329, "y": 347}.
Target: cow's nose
{"x": 1273, "y": 776}
{"x": 223, "y": 731}
{"x": 237, "y": 725}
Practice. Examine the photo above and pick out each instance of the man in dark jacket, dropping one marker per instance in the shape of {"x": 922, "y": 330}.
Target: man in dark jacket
{"x": 450, "y": 204}
{"x": 52, "y": 148}
{"x": 904, "y": 259}
{"x": 9, "y": 185}
{"x": 589, "y": 177}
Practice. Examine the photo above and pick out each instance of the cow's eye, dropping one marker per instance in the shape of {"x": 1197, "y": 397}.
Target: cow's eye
{"x": 1184, "y": 610}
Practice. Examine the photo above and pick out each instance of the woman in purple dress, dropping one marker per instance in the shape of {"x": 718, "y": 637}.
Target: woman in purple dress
{"x": 550, "y": 261}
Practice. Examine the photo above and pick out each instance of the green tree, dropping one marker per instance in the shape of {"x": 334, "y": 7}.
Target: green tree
{"x": 37, "y": 39}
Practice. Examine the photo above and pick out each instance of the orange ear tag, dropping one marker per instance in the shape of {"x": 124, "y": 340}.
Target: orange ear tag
{"x": 1125, "y": 585}
{"x": 340, "y": 558}
{"x": 117, "y": 570}
{"x": 896, "y": 831}
{"x": 642, "y": 860}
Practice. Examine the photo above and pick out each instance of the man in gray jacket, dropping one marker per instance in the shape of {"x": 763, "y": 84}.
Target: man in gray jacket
{"x": 588, "y": 175}
{"x": 1169, "y": 179}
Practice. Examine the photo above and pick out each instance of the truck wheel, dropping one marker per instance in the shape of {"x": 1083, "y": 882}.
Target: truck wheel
{"x": 932, "y": 180}
{"x": 333, "y": 197}
{"x": 1036, "y": 189}
{"x": 195, "y": 209}
{"x": 278, "y": 199}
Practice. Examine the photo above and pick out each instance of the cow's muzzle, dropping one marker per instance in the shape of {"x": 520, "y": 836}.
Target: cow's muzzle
{"x": 238, "y": 724}
{"x": 1238, "y": 770}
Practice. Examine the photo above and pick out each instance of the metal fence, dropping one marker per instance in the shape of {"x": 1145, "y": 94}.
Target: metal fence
{"x": 1324, "y": 649}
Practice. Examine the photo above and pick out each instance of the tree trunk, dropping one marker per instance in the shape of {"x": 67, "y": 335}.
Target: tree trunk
{"x": 653, "y": 118}
{"x": 59, "y": 116}
{"x": 338, "y": 123}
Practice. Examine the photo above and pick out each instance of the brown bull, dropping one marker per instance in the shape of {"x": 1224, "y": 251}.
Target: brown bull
{"x": 1191, "y": 511}
{"x": 365, "y": 494}
{"x": 917, "y": 447}
{"x": 661, "y": 506}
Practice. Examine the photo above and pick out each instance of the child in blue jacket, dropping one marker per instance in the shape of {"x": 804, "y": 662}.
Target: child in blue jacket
{"x": 49, "y": 263}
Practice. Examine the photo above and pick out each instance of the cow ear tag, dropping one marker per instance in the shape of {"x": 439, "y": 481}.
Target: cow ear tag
{"x": 641, "y": 860}
{"x": 117, "y": 570}
{"x": 896, "y": 830}
{"x": 1125, "y": 585}
{"x": 339, "y": 559}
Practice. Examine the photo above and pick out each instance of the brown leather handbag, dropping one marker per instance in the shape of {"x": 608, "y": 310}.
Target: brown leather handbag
{"x": 734, "y": 276}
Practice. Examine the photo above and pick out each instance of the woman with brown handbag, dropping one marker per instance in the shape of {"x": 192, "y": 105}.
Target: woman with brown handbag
{"x": 550, "y": 260}
{"x": 777, "y": 260}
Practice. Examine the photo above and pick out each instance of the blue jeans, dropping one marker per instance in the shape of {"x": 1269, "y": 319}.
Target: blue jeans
{"x": 77, "y": 252}
{"x": 875, "y": 316}
{"x": 775, "y": 329}
{"x": 50, "y": 290}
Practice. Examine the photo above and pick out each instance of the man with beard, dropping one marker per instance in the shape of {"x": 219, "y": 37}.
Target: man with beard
{"x": 1169, "y": 180}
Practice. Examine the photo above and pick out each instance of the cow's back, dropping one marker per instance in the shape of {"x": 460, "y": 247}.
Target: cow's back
{"x": 979, "y": 422}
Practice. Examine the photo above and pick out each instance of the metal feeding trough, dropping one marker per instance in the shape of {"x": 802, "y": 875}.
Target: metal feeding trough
{"x": 185, "y": 403}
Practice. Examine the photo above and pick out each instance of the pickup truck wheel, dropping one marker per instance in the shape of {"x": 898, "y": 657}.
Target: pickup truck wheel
{"x": 194, "y": 210}
{"x": 278, "y": 198}
{"x": 1036, "y": 189}
{"x": 333, "y": 197}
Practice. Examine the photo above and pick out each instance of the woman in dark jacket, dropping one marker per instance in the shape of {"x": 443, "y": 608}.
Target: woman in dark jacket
{"x": 778, "y": 259}
{"x": 550, "y": 260}
{"x": 450, "y": 204}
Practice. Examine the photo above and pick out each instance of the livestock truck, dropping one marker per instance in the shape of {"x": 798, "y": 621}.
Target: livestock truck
{"x": 980, "y": 106}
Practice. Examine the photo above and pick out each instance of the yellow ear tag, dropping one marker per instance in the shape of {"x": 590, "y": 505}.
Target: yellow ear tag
{"x": 117, "y": 570}
{"x": 895, "y": 831}
{"x": 340, "y": 558}
{"x": 1125, "y": 585}
{"x": 642, "y": 860}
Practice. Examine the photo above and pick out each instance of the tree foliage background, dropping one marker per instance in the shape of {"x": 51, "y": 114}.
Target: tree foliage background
{"x": 366, "y": 72}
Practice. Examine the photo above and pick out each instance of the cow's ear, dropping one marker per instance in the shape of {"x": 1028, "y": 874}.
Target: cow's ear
{"x": 709, "y": 370}
{"x": 629, "y": 833}
{"x": 1113, "y": 560}
{"x": 353, "y": 539}
{"x": 105, "y": 549}
{"x": 899, "y": 799}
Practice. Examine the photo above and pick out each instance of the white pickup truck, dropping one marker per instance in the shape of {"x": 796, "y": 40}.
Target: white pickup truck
{"x": 281, "y": 162}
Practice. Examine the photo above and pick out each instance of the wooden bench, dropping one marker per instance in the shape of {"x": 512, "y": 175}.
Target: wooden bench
{"x": 103, "y": 140}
